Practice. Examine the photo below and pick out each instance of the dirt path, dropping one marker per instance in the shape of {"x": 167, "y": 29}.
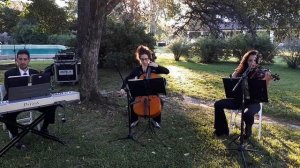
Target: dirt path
{"x": 210, "y": 104}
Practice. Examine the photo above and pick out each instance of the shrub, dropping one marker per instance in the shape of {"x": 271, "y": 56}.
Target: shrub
{"x": 209, "y": 49}
{"x": 291, "y": 53}
{"x": 119, "y": 59}
{"x": 239, "y": 44}
{"x": 180, "y": 48}
{"x": 264, "y": 45}
{"x": 62, "y": 39}
{"x": 25, "y": 33}
{"x": 121, "y": 40}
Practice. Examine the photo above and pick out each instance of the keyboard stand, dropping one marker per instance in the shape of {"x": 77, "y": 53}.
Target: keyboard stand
{"x": 25, "y": 130}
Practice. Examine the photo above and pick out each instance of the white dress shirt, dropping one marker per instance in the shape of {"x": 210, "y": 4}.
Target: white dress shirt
{"x": 24, "y": 73}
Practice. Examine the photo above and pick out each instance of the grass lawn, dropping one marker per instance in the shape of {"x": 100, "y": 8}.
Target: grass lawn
{"x": 186, "y": 138}
{"x": 204, "y": 81}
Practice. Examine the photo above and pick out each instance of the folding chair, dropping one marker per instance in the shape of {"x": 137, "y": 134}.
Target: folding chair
{"x": 233, "y": 115}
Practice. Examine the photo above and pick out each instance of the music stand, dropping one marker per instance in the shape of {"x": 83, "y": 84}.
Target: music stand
{"x": 38, "y": 85}
{"x": 16, "y": 81}
{"x": 258, "y": 91}
{"x": 229, "y": 84}
{"x": 250, "y": 90}
{"x": 129, "y": 102}
{"x": 147, "y": 87}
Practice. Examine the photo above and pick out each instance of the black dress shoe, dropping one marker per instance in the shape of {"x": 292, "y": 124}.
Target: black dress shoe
{"x": 221, "y": 133}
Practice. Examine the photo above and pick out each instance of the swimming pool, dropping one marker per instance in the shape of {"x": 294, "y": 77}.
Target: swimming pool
{"x": 36, "y": 51}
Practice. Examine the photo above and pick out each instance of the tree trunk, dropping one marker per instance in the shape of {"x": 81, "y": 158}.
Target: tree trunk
{"x": 83, "y": 13}
{"x": 90, "y": 51}
{"x": 91, "y": 19}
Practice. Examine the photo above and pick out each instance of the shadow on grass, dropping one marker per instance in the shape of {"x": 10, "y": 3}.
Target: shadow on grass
{"x": 277, "y": 148}
{"x": 185, "y": 140}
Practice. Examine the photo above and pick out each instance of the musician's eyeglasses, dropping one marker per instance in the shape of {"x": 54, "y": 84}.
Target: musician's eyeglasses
{"x": 144, "y": 59}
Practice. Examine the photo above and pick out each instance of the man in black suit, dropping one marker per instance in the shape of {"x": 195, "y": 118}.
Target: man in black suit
{"x": 22, "y": 69}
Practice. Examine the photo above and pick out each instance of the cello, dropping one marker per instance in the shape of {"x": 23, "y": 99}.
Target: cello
{"x": 150, "y": 105}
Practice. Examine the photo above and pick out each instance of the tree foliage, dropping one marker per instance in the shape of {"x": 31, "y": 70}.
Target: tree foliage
{"x": 251, "y": 15}
{"x": 48, "y": 16}
{"x": 153, "y": 14}
{"x": 8, "y": 18}
{"x": 119, "y": 43}
{"x": 27, "y": 33}
{"x": 282, "y": 16}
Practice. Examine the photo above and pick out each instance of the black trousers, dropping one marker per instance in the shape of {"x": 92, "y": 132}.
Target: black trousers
{"x": 12, "y": 118}
{"x": 221, "y": 125}
{"x": 135, "y": 117}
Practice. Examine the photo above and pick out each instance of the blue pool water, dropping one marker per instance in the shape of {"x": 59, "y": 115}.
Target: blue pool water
{"x": 36, "y": 51}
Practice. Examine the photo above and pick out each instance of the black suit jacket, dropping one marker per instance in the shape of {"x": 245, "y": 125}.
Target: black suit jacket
{"x": 14, "y": 72}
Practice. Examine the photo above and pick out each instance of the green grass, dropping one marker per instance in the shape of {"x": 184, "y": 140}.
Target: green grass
{"x": 185, "y": 140}
{"x": 204, "y": 81}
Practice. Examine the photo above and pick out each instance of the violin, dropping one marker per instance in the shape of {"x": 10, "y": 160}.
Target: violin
{"x": 260, "y": 73}
{"x": 148, "y": 106}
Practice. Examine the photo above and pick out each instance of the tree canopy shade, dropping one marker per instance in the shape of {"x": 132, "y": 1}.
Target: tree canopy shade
{"x": 250, "y": 14}
{"x": 91, "y": 21}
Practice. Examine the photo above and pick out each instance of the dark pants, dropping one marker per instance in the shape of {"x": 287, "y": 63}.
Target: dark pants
{"x": 135, "y": 117}
{"x": 221, "y": 125}
{"x": 12, "y": 118}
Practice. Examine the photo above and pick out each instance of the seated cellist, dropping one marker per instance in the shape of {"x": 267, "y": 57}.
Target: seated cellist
{"x": 145, "y": 57}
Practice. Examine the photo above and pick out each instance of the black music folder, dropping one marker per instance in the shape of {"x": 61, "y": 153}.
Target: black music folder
{"x": 16, "y": 81}
{"x": 19, "y": 87}
{"x": 229, "y": 84}
{"x": 40, "y": 78}
{"x": 147, "y": 87}
{"x": 257, "y": 89}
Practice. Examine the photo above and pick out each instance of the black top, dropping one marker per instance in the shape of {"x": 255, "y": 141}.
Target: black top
{"x": 138, "y": 71}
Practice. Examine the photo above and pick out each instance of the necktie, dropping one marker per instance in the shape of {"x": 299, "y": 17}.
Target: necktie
{"x": 24, "y": 73}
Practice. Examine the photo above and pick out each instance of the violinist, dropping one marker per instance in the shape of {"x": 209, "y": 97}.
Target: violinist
{"x": 146, "y": 60}
{"x": 220, "y": 123}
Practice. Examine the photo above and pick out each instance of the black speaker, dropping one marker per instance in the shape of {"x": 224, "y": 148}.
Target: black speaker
{"x": 66, "y": 72}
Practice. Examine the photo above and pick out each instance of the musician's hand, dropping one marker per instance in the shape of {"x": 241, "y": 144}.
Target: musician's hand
{"x": 268, "y": 77}
{"x": 121, "y": 92}
{"x": 153, "y": 64}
